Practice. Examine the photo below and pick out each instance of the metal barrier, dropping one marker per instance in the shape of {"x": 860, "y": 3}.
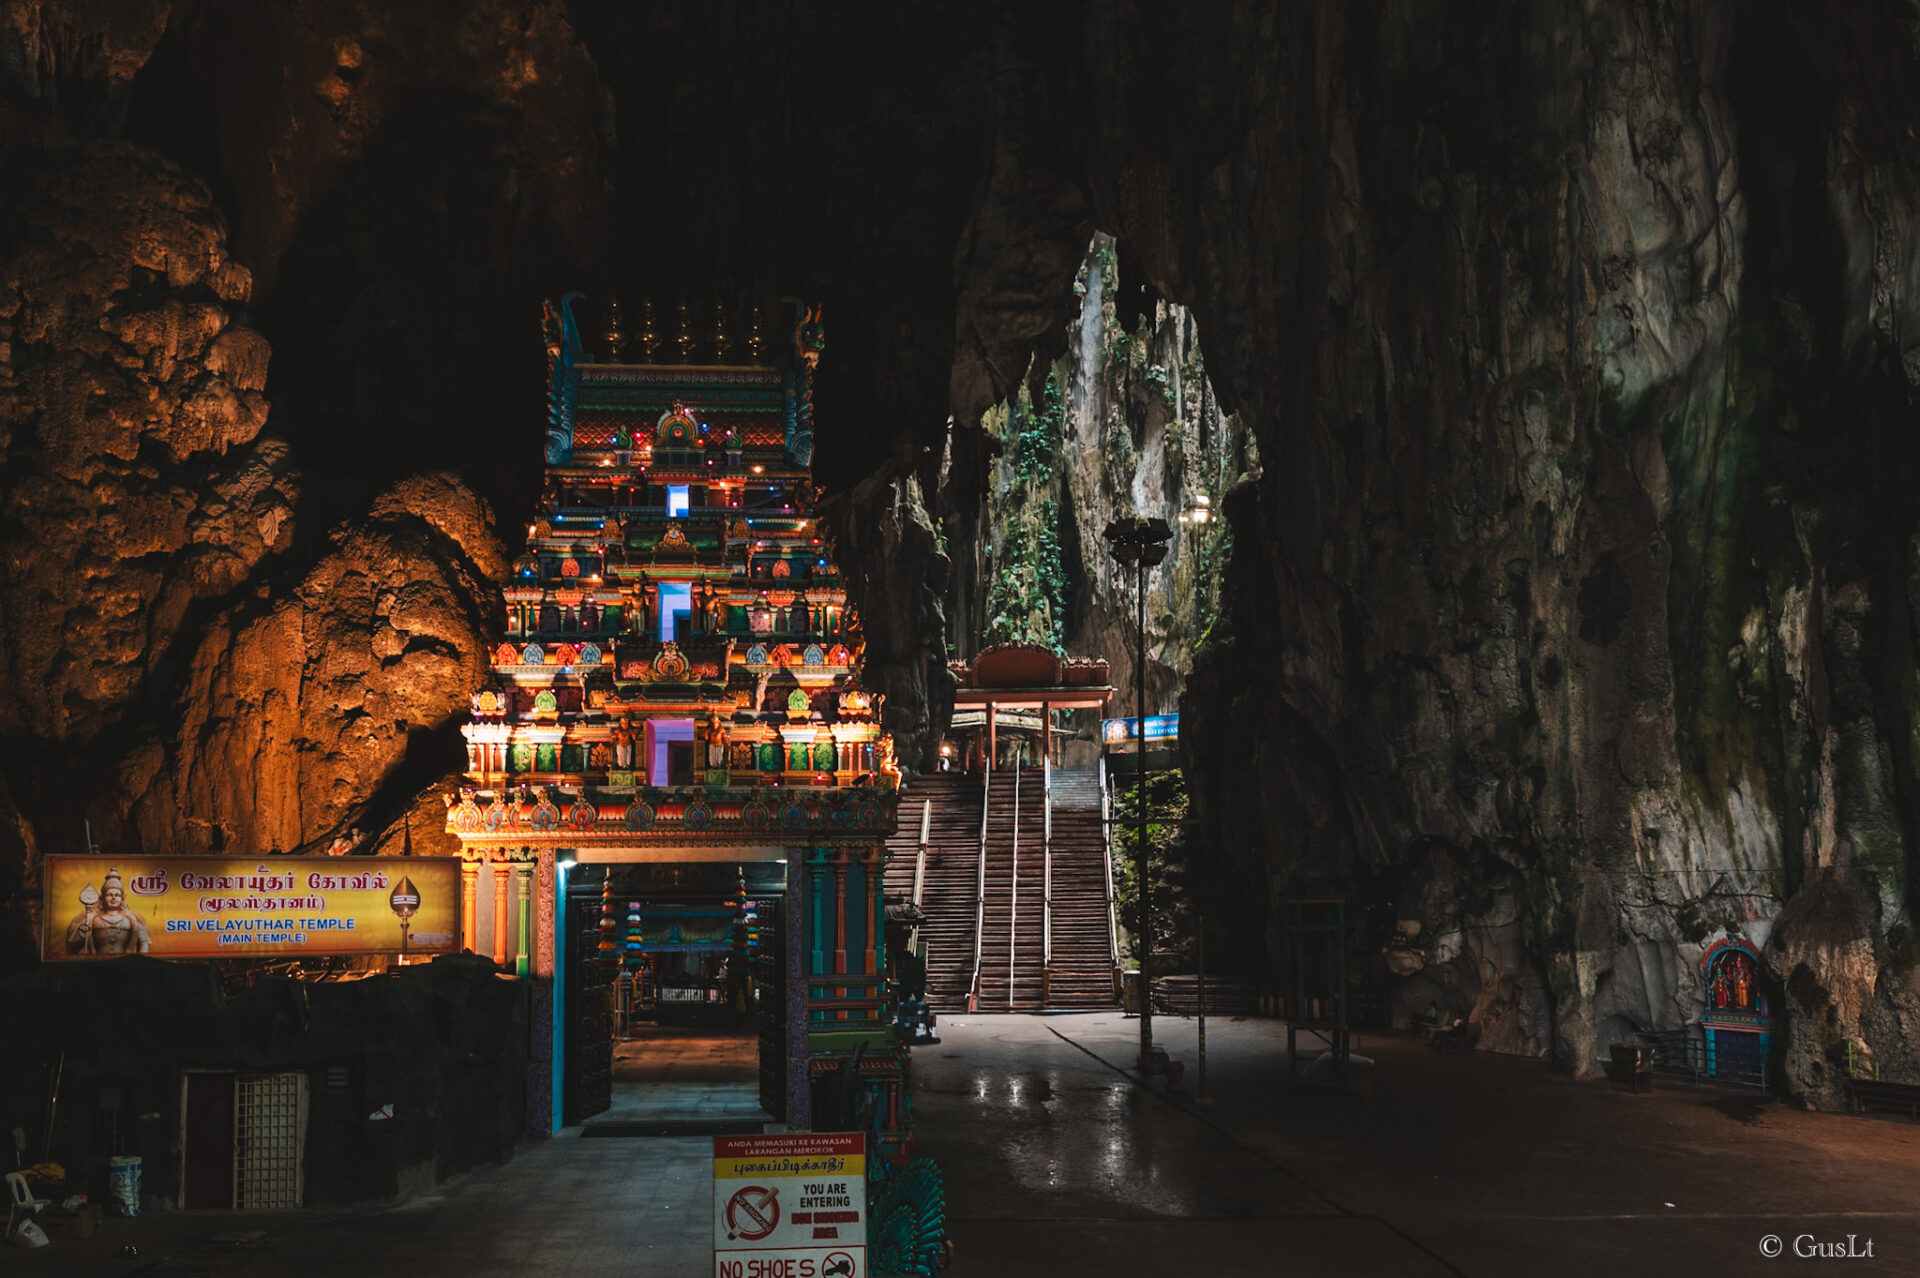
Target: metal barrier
{"x": 920, "y": 867}
{"x": 1013, "y": 886}
{"x": 980, "y": 892}
{"x": 1106, "y": 838}
{"x": 1046, "y": 880}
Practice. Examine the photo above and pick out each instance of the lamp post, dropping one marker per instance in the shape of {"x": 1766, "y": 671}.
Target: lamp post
{"x": 1142, "y": 543}
{"x": 1196, "y": 516}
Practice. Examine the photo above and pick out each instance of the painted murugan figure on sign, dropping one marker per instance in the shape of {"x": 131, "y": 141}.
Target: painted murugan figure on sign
{"x": 105, "y": 925}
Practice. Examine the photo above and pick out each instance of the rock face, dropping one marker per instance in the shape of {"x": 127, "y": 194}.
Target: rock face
{"x": 186, "y": 672}
{"x": 293, "y": 716}
{"x": 1573, "y": 616}
{"x": 1124, "y": 423}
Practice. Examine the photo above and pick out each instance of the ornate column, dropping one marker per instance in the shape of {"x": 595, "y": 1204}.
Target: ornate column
{"x": 523, "y": 885}
{"x": 840, "y": 911}
{"x": 469, "y": 887}
{"x": 543, "y": 954}
{"x": 870, "y": 882}
{"x": 499, "y": 889}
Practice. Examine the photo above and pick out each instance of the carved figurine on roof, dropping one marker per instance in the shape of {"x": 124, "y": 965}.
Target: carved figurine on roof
{"x": 809, "y": 344}
{"x": 562, "y": 337}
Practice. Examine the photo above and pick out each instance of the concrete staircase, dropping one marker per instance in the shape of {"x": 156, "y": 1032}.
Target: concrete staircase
{"x": 1082, "y": 973}
{"x": 1011, "y": 935}
{"x": 953, "y": 864}
{"x": 1013, "y": 973}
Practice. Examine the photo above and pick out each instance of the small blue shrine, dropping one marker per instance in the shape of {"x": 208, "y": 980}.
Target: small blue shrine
{"x": 1739, "y": 1018}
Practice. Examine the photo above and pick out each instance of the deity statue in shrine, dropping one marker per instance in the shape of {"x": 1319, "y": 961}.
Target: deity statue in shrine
{"x": 716, "y": 743}
{"x": 623, "y": 745}
{"x": 1742, "y": 982}
{"x": 105, "y": 925}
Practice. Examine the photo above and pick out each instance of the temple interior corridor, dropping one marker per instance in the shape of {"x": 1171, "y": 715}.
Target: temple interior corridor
{"x": 704, "y": 1074}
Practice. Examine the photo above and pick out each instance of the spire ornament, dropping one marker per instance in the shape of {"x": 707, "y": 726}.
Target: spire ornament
{"x": 683, "y": 331}
{"x": 615, "y": 336}
{"x": 756, "y": 336}
{"x": 722, "y": 338}
{"x": 649, "y": 331}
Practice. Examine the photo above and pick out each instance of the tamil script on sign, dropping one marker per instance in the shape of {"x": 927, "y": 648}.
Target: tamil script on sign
{"x": 206, "y": 906}
{"x": 790, "y": 1206}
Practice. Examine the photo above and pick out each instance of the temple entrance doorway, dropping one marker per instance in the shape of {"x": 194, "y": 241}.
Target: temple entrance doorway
{"x": 671, "y": 1024}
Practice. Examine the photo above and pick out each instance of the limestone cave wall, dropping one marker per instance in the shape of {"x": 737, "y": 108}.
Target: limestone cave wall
{"x": 1125, "y": 422}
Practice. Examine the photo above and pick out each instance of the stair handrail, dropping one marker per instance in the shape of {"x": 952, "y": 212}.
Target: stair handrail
{"x": 1013, "y": 900}
{"x": 920, "y": 867}
{"x": 1046, "y": 856}
{"x": 980, "y": 892}
{"x": 1106, "y": 841}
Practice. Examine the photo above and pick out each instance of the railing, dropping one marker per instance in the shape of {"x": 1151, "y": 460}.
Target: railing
{"x": 920, "y": 868}
{"x": 1013, "y": 886}
{"x": 1106, "y": 838}
{"x": 1046, "y": 880}
{"x": 980, "y": 893}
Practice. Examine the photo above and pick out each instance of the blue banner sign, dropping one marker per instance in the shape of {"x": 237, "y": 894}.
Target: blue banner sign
{"x": 1125, "y": 733}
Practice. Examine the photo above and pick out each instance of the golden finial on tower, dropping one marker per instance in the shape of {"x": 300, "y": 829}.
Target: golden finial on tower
{"x": 616, "y": 334}
{"x": 683, "y": 331}
{"x": 722, "y": 338}
{"x": 649, "y": 331}
{"x": 756, "y": 338}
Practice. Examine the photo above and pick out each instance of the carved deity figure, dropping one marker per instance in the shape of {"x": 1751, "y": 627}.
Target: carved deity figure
{"x": 104, "y": 924}
{"x": 888, "y": 767}
{"x": 716, "y": 743}
{"x": 623, "y": 745}
{"x": 1742, "y": 983}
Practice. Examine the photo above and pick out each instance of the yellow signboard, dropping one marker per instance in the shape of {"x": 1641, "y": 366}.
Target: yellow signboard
{"x": 249, "y": 907}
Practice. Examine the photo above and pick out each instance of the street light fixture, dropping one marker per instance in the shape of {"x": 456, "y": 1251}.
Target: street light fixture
{"x": 1141, "y": 544}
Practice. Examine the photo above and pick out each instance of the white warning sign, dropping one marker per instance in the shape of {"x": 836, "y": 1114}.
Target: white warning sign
{"x": 790, "y": 1206}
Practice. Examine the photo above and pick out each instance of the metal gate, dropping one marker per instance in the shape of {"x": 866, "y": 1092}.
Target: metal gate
{"x": 770, "y": 989}
{"x": 270, "y": 1125}
{"x": 587, "y": 1087}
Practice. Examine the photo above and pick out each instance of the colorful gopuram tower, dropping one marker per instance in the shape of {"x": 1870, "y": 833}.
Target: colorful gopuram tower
{"x": 678, "y": 685}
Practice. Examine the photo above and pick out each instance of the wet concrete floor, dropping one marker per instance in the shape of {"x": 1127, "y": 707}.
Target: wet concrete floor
{"x": 1058, "y": 1163}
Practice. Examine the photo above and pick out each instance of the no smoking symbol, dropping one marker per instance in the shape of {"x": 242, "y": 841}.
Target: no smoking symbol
{"x": 752, "y": 1213}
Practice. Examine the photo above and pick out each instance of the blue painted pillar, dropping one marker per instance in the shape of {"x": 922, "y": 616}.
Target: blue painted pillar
{"x": 796, "y": 927}
{"x": 559, "y": 990}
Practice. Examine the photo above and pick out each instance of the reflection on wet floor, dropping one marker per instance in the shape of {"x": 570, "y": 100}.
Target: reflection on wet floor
{"x": 1037, "y": 1115}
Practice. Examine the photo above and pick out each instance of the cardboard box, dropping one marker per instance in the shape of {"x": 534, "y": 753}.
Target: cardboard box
{"x": 70, "y": 1226}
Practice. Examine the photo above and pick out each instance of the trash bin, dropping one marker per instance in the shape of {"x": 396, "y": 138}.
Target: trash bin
{"x": 123, "y": 1185}
{"x": 1130, "y": 990}
{"x": 1633, "y": 1066}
